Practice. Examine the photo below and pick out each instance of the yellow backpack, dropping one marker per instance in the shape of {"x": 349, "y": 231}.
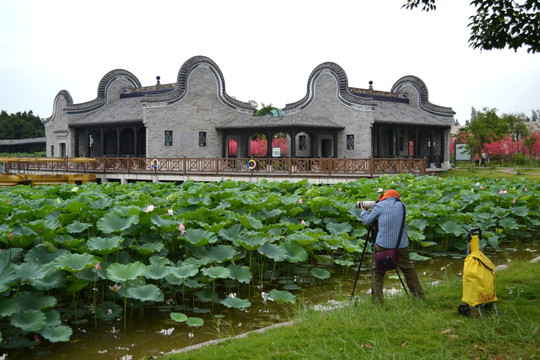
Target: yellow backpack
{"x": 478, "y": 277}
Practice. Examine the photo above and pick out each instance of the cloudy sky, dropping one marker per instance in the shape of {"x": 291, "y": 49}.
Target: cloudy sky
{"x": 265, "y": 49}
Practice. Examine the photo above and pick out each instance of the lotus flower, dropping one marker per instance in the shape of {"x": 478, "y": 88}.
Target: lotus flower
{"x": 380, "y": 190}
{"x": 98, "y": 266}
{"x": 526, "y": 189}
{"x": 503, "y": 191}
{"x": 300, "y": 201}
{"x": 115, "y": 287}
{"x": 182, "y": 228}
{"x": 170, "y": 212}
{"x": 303, "y": 223}
{"x": 109, "y": 312}
{"x": 513, "y": 200}
{"x": 150, "y": 208}
{"x": 11, "y": 236}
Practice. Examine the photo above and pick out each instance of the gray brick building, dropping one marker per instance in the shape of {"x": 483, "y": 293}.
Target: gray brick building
{"x": 196, "y": 118}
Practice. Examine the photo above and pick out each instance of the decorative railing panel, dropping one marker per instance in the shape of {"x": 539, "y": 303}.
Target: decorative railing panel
{"x": 224, "y": 166}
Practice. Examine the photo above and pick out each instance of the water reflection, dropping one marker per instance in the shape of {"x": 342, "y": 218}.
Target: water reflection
{"x": 155, "y": 333}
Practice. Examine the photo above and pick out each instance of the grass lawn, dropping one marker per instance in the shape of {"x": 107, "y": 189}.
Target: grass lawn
{"x": 404, "y": 328}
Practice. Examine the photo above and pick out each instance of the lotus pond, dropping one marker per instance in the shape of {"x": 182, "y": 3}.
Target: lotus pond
{"x": 114, "y": 268}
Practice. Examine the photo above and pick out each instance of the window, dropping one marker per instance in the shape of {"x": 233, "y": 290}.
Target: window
{"x": 168, "y": 137}
{"x": 350, "y": 142}
{"x": 52, "y": 150}
{"x": 302, "y": 142}
{"x": 202, "y": 138}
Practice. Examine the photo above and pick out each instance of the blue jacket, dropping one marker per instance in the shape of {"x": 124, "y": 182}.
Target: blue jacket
{"x": 390, "y": 213}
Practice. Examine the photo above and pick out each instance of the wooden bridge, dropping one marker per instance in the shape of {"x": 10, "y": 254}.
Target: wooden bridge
{"x": 128, "y": 169}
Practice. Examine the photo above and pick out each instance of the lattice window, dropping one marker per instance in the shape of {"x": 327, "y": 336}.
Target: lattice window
{"x": 168, "y": 138}
{"x": 350, "y": 142}
{"x": 202, "y": 138}
{"x": 302, "y": 142}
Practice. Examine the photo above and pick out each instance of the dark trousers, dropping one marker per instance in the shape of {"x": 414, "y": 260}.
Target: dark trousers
{"x": 406, "y": 267}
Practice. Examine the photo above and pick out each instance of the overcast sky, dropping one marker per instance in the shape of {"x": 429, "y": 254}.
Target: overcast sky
{"x": 265, "y": 49}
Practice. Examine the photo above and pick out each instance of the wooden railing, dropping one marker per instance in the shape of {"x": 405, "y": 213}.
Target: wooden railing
{"x": 232, "y": 166}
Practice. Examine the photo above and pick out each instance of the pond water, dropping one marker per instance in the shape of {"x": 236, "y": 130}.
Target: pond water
{"x": 153, "y": 332}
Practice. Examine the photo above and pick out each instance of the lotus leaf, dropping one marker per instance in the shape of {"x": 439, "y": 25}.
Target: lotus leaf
{"x": 149, "y": 248}
{"x": 220, "y": 253}
{"x": 53, "y": 317}
{"x": 200, "y": 237}
{"x": 194, "y": 321}
{"x": 41, "y": 255}
{"x": 74, "y": 262}
{"x": 452, "y": 227}
{"x": 281, "y": 296}
{"x": 216, "y": 272}
{"x": 178, "y": 317}
{"x": 231, "y": 233}
{"x": 124, "y": 272}
{"x": 295, "y": 252}
{"x": 57, "y": 333}
{"x": 114, "y": 222}
{"x": 338, "y": 228}
{"x": 7, "y": 306}
{"x": 148, "y": 292}
{"x": 29, "y": 320}
{"x": 29, "y": 272}
{"x": 273, "y": 251}
{"x": 52, "y": 280}
{"x": 101, "y": 203}
{"x": 240, "y": 273}
{"x": 252, "y": 243}
{"x": 156, "y": 271}
{"x": 32, "y": 300}
{"x": 8, "y": 275}
{"x": 77, "y": 285}
{"x": 249, "y": 222}
{"x": 294, "y": 211}
{"x": 184, "y": 271}
{"x": 104, "y": 246}
{"x": 320, "y": 273}
{"x": 233, "y": 302}
{"x": 206, "y": 295}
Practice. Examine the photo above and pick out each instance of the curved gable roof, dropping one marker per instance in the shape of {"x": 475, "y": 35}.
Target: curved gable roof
{"x": 101, "y": 98}
{"x": 344, "y": 95}
{"x": 421, "y": 88}
{"x": 181, "y": 89}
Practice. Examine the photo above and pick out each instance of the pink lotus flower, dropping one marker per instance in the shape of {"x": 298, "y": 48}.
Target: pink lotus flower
{"x": 526, "y": 189}
{"x": 170, "y": 212}
{"x": 300, "y": 201}
{"x": 109, "y": 312}
{"x": 303, "y": 223}
{"x": 182, "y": 228}
{"x": 150, "y": 208}
{"x": 481, "y": 187}
{"x": 11, "y": 236}
{"x": 503, "y": 191}
{"x": 36, "y": 337}
{"x": 98, "y": 266}
{"x": 513, "y": 200}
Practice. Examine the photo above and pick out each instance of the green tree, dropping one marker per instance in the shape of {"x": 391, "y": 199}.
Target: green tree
{"x": 485, "y": 128}
{"x": 499, "y": 23}
{"x": 23, "y": 125}
{"x": 265, "y": 110}
{"x": 516, "y": 125}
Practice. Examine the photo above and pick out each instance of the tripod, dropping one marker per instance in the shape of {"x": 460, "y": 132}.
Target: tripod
{"x": 370, "y": 238}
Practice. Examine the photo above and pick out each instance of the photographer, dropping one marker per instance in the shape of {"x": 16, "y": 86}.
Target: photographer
{"x": 389, "y": 211}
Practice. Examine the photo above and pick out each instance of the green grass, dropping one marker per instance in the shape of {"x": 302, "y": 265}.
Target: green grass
{"x": 404, "y": 328}
{"x": 532, "y": 174}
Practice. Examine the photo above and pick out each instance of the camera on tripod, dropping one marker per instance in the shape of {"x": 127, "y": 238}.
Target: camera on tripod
{"x": 366, "y": 204}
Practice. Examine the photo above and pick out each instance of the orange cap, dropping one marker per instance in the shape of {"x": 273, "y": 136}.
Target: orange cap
{"x": 389, "y": 193}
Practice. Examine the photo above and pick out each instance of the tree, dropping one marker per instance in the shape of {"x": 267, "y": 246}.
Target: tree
{"x": 265, "y": 110}
{"x": 20, "y": 126}
{"x": 499, "y": 23}
{"x": 516, "y": 125}
{"x": 485, "y": 128}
